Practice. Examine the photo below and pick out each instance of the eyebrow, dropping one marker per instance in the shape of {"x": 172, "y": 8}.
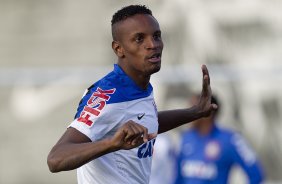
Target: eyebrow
{"x": 142, "y": 33}
{"x": 158, "y": 31}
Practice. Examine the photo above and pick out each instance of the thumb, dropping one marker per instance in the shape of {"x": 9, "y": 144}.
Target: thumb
{"x": 152, "y": 136}
{"x": 214, "y": 107}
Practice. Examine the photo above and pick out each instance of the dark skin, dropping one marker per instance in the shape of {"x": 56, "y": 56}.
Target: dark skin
{"x": 138, "y": 46}
{"x": 137, "y": 39}
{"x": 203, "y": 125}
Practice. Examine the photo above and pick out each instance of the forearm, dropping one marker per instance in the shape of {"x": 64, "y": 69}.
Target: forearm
{"x": 70, "y": 156}
{"x": 171, "y": 119}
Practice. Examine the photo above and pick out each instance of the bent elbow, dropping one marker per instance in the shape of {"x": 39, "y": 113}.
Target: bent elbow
{"x": 53, "y": 164}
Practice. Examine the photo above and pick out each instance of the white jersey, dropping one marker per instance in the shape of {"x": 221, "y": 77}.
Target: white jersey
{"x": 107, "y": 105}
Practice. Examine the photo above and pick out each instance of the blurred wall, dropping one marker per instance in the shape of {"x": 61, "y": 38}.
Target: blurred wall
{"x": 50, "y": 51}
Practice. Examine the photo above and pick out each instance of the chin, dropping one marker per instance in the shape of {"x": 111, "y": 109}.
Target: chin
{"x": 155, "y": 69}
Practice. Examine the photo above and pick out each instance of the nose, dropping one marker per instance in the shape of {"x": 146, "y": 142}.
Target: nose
{"x": 151, "y": 43}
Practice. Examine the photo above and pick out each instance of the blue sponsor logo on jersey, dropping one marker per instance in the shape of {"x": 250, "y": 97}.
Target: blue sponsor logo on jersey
{"x": 146, "y": 149}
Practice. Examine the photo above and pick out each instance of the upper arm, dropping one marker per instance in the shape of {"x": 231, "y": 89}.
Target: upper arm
{"x": 72, "y": 135}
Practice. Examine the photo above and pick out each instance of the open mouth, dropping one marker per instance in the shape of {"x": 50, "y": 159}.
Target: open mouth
{"x": 155, "y": 58}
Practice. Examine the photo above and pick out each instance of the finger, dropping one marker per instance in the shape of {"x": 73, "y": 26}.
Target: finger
{"x": 205, "y": 72}
{"x": 140, "y": 140}
{"x": 138, "y": 131}
{"x": 205, "y": 85}
{"x": 214, "y": 106}
{"x": 152, "y": 136}
{"x": 135, "y": 132}
{"x": 137, "y": 141}
{"x": 143, "y": 132}
{"x": 206, "y": 78}
{"x": 206, "y": 81}
{"x": 129, "y": 132}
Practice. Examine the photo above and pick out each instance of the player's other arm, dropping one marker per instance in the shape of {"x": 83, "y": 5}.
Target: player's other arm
{"x": 75, "y": 149}
{"x": 245, "y": 156}
{"x": 173, "y": 118}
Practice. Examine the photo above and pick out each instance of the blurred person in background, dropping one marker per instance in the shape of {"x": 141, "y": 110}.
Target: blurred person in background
{"x": 208, "y": 153}
{"x": 163, "y": 163}
{"x": 112, "y": 136}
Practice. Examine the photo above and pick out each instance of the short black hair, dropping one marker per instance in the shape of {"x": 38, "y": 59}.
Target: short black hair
{"x": 129, "y": 11}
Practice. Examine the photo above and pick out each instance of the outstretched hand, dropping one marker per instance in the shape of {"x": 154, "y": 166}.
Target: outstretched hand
{"x": 204, "y": 105}
{"x": 131, "y": 135}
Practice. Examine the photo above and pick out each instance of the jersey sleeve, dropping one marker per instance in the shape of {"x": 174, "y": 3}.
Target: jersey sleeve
{"x": 96, "y": 117}
{"x": 244, "y": 156}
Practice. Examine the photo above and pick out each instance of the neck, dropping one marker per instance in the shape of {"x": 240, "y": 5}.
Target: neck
{"x": 142, "y": 80}
{"x": 204, "y": 127}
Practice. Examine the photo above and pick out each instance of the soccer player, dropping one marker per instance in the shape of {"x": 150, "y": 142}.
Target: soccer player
{"x": 208, "y": 153}
{"x": 111, "y": 138}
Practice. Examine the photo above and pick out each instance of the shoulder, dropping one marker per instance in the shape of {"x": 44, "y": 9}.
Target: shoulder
{"x": 226, "y": 132}
{"x": 98, "y": 95}
{"x": 105, "y": 89}
{"x": 233, "y": 137}
{"x": 109, "y": 88}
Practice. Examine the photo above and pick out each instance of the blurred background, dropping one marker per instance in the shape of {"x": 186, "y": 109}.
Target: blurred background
{"x": 51, "y": 51}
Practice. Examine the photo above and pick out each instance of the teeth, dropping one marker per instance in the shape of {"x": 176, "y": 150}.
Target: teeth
{"x": 155, "y": 56}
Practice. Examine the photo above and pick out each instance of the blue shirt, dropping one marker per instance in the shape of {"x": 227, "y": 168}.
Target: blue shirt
{"x": 209, "y": 159}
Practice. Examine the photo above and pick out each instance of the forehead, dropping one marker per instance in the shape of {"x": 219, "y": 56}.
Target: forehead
{"x": 139, "y": 23}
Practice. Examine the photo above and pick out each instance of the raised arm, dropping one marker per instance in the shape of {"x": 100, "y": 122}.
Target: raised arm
{"x": 75, "y": 149}
{"x": 173, "y": 118}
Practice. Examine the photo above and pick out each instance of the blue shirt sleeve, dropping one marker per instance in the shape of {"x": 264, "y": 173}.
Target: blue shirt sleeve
{"x": 245, "y": 157}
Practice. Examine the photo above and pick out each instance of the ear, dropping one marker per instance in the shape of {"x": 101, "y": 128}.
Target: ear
{"x": 117, "y": 49}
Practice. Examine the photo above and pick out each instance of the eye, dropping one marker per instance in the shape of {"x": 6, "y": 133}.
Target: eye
{"x": 157, "y": 36}
{"x": 139, "y": 38}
